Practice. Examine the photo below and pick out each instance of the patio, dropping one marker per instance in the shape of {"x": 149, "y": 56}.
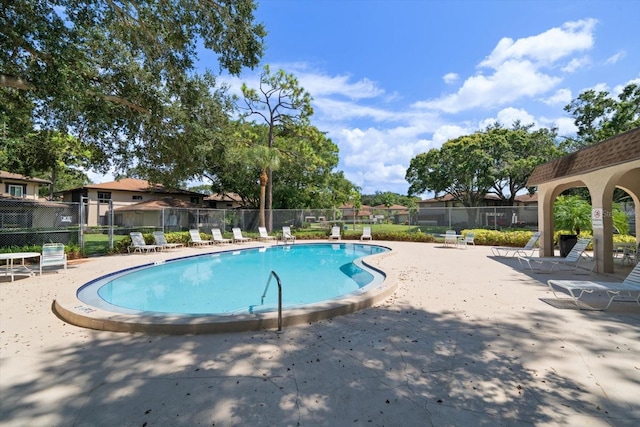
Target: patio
{"x": 465, "y": 340}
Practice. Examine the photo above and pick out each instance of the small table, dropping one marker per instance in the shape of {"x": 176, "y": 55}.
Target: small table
{"x": 8, "y": 258}
{"x": 628, "y": 251}
{"x": 457, "y": 236}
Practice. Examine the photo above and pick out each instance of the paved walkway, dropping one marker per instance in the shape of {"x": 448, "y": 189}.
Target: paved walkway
{"x": 464, "y": 341}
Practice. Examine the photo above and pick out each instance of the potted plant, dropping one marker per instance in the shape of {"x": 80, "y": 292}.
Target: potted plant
{"x": 570, "y": 213}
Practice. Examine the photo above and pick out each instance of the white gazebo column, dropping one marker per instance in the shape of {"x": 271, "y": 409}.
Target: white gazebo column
{"x": 546, "y": 197}
{"x": 601, "y": 197}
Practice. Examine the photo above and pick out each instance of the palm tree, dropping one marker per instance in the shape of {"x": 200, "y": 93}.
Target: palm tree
{"x": 572, "y": 213}
{"x": 265, "y": 159}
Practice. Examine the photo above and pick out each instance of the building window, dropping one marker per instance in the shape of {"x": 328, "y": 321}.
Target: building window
{"x": 16, "y": 190}
{"x": 136, "y": 197}
{"x": 195, "y": 200}
{"x": 104, "y": 197}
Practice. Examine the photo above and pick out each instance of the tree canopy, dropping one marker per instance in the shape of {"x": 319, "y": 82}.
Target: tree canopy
{"x": 120, "y": 74}
{"x": 463, "y": 167}
{"x": 598, "y": 116}
{"x": 496, "y": 160}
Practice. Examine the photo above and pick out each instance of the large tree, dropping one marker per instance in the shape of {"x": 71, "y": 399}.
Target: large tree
{"x": 462, "y": 167}
{"x": 280, "y": 102}
{"x": 118, "y": 74}
{"x": 516, "y": 152}
{"x": 308, "y": 160}
{"x": 306, "y": 177}
{"x": 599, "y": 116}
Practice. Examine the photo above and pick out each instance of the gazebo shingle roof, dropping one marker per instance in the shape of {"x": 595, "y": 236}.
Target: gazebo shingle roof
{"x": 613, "y": 151}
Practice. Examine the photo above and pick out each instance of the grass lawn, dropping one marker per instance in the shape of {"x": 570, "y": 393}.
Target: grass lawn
{"x": 98, "y": 243}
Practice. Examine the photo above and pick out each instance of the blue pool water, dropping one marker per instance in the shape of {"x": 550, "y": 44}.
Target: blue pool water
{"x": 233, "y": 282}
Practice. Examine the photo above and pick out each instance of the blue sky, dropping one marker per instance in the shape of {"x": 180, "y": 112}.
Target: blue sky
{"x": 392, "y": 79}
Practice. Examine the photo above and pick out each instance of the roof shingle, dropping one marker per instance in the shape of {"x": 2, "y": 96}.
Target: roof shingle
{"x": 613, "y": 151}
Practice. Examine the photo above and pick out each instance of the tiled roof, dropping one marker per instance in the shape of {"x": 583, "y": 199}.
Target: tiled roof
{"x": 158, "y": 204}
{"x": 490, "y": 196}
{"x": 18, "y": 177}
{"x": 138, "y": 185}
{"x": 226, "y": 197}
{"x": 613, "y": 151}
{"x": 19, "y": 201}
{"x": 394, "y": 207}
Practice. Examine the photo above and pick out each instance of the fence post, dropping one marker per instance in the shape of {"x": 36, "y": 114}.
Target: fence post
{"x": 111, "y": 218}
{"x": 81, "y": 222}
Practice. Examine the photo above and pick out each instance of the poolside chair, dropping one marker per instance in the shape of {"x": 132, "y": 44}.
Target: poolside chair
{"x": 527, "y": 250}
{"x": 238, "y": 237}
{"x": 161, "y": 241}
{"x": 139, "y": 245}
{"x": 217, "y": 237}
{"x": 286, "y": 234}
{"x": 366, "y": 233}
{"x": 335, "y": 233}
{"x": 196, "y": 240}
{"x": 572, "y": 260}
{"x": 450, "y": 238}
{"x": 53, "y": 254}
{"x": 577, "y": 288}
{"x": 468, "y": 239}
{"x": 264, "y": 236}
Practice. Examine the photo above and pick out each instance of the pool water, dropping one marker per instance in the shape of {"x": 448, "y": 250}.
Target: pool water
{"x": 234, "y": 282}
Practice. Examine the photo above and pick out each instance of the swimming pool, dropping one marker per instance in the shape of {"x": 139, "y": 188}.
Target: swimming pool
{"x": 231, "y": 287}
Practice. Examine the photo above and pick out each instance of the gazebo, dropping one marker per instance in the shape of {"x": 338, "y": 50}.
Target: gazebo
{"x": 600, "y": 168}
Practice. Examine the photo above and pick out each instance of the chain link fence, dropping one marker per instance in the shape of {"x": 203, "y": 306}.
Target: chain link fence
{"x": 100, "y": 223}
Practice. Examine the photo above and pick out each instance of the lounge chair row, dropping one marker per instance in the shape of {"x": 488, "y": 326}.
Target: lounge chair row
{"x": 138, "y": 243}
{"x": 629, "y": 288}
{"x": 217, "y": 237}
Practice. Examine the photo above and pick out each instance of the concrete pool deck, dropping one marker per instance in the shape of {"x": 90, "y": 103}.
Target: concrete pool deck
{"x": 464, "y": 340}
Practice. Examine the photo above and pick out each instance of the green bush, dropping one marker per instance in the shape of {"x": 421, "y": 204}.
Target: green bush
{"x": 500, "y": 238}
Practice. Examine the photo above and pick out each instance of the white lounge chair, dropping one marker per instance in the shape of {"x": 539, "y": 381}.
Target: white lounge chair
{"x": 238, "y": 237}
{"x": 450, "y": 238}
{"x": 161, "y": 241}
{"x": 286, "y": 234}
{"x": 196, "y": 239}
{"x": 577, "y": 288}
{"x": 572, "y": 260}
{"x": 366, "y": 233}
{"x": 335, "y": 233}
{"x": 53, "y": 254}
{"x": 468, "y": 239}
{"x": 217, "y": 237}
{"x": 527, "y": 250}
{"x": 139, "y": 245}
{"x": 264, "y": 235}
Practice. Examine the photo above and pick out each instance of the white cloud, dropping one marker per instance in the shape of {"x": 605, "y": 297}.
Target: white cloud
{"x": 450, "y": 78}
{"x": 335, "y": 109}
{"x": 561, "y": 97}
{"x": 508, "y": 116}
{"x": 512, "y": 81}
{"x": 322, "y": 85}
{"x": 517, "y": 69}
{"x": 616, "y": 57}
{"x": 565, "y": 125}
{"x": 544, "y": 48}
{"x": 447, "y": 132}
{"x": 576, "y": 64}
